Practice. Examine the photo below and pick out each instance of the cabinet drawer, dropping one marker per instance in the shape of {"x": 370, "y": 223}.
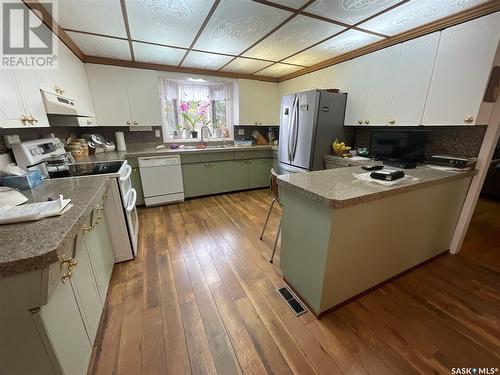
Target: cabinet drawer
{"x": 257, "y": 154}
{"x": 203, "y": 157}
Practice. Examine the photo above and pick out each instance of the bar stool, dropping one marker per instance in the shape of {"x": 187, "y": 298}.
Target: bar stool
{"x": 276, "y": 198}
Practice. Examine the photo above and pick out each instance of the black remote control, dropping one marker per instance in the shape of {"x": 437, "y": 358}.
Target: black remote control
{"x": 372, "y": 167}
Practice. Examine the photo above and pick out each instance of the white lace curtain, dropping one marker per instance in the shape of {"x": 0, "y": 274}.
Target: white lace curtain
{"x": 172, "y": 93}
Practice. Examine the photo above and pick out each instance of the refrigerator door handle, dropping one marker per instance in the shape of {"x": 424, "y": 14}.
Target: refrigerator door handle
{"x": 291, "y": 128}
{"x": 294, "y": 134}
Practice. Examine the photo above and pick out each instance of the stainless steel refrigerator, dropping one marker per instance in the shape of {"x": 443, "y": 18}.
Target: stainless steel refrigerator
{"x": 309, "y": 122}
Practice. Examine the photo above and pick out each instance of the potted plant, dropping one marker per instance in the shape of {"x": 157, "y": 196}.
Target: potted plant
{"x": 193, "y": 113}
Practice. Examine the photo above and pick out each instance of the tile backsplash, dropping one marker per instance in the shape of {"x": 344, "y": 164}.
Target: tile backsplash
{"x": 462, "y": 141}
{"x": 63, "y": 132}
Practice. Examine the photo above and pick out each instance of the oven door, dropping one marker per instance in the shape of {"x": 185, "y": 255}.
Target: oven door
{"x": 132, "y": 219}
{"x": 125, "y": 182}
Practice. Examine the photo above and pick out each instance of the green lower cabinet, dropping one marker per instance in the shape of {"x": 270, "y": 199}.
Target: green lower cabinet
{"x": 220, "y": 176}
{"x": 254, "y": 173}
{"x": 266, "y": 165}
{"x": 135, "y": 179}
{"x": 196, "y": 178}
{"x": 100, "y": 250}
{"x": 240, "y": 175}
{"x": 227, "y": 175}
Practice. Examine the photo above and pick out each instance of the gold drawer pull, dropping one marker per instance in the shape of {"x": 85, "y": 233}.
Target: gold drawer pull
{"x": 469, "y": 119}
{"x": 87, "y": 228}
{"x": 66, "y": 275}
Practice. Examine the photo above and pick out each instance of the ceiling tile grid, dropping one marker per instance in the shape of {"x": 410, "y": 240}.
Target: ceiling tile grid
{"x": 343, "y": 43}
{"x": 349, "y": 11}
{"x": 150, "y": 53}
{"x": 94, "y": 16}
{"x": 415, "y": 13}
{"x": 100, "y": 46}
{"x": 245, "y": 66}
{"x": 278, "y": 70}
{"x": 242, "y": 36}
{"x": 203, "y": 60}
{"x": 237, "y": 24}
{"x": 294, "y": 36}
{"x": 173, "y": 22}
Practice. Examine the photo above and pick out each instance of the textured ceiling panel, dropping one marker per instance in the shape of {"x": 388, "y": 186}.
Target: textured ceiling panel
{"x": 349, "y": 11}
{"x": 205, "y": 60}
{"x": 174, "y": 22}
{"x": 345, "y": 42}
{"x": 95, "y": 16}
{"x": 290, "y": 3}
{"x": 294, "y": 36}
{"x": 246, "y": 66}
{"x": 237, "y": 24}
{"x": 416, "y": 13}
{"x": 157, "y": 54}
{"x": 278, "y": 70}
{"x": 100, "y": 46}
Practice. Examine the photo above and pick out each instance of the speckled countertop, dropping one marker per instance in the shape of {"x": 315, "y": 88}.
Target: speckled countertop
{"x": 338, "y": 188}
{"x": 135, "y": 151}
{"x": 34, "y": 245}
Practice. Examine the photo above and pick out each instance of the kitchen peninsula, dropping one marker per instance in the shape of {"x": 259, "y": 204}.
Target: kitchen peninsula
{"x": 342, "y": 236}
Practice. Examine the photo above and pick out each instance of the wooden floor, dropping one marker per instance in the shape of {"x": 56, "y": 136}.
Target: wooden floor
{"x": 200, "y": 298}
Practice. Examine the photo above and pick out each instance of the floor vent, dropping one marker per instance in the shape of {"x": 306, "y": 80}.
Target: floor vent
{"x": 292, "y": 301}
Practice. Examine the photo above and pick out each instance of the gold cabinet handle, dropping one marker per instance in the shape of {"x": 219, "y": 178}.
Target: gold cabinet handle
{"x": 136, "y": 123}
{"x": 360, "y": 122}
{"x": 25, "y": 119}
{"x": 72, "y": 263}
{"x": 392, "y": 121}
{"x": 87, "y": 228}
{"x": 469, "y": 119}
{"x": 128, "y": 123}
{"x": 66, "y": 275}
{"x": 367, "y": 122}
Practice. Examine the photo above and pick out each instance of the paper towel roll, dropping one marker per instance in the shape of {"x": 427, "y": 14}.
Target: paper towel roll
{"x": 120, "y": 141}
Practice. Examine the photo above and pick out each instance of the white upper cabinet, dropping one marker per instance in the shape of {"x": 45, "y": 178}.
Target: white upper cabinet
{"x": 144, "y": 96}
{"x": 69, "y": 79}
{"x": 413, "y": 79}
{"x": 258, "y": 103}
{"x": 384, "y": 66}
{"x": 21, "y": 103}
{"x": 461, "y": 71}
{"x": 357, "y": 90}
{"x": 109, "y": 93}
{"x": 124, "y": 96}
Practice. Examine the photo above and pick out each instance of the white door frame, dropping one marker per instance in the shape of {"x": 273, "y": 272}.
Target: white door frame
{"x": 483, "y": 162}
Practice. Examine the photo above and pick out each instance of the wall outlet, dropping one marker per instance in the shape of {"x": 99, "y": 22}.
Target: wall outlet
{"x": 241, "y": 131}
{"x": 157, "y": 133}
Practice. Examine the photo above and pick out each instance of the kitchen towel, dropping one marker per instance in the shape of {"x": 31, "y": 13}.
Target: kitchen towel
{"x": 120, "y": 141}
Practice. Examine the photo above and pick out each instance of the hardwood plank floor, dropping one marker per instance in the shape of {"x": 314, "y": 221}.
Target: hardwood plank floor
{"x": 200, "y": 298}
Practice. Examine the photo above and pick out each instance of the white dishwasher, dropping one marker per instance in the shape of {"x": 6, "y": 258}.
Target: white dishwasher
{"x": 161, "y": 178}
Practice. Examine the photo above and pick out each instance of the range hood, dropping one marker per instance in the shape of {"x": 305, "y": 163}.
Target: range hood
{"x": 61, "y": 105}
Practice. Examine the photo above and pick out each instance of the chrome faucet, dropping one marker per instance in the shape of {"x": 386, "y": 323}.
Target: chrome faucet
{"x": 201, "y": 132}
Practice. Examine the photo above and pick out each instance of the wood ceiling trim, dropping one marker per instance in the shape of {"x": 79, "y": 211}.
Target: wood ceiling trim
{"x": 174, "y": 68}
{"x": 203, "y": 25}
{"x": 127, "y": 28}
{"x": 47, "y": 19}
{"x": 291, "y": 17}
{"x": 443, "y": 23}
{"x": 175, "y": 47}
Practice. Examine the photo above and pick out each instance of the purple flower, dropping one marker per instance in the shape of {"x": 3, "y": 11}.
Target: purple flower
{"x": 184, "y": 107}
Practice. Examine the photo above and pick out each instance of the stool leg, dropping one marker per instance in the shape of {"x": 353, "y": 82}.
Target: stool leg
{"x": 267, "y": 218}
{"x": 276, "y": 241}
